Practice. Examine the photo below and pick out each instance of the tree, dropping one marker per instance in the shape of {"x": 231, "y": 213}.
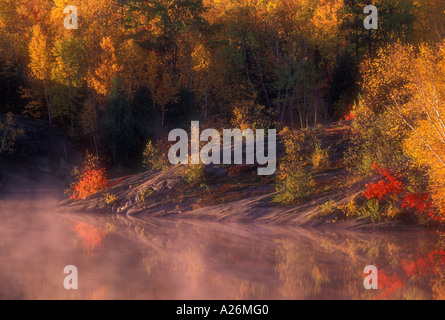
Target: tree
{"x": 424, "y": 114}
{"x": 166, "y": 93}
{"x": 40, "y": 63}
{"x": 101, "y": 79}
{"x": 430, "y": 22}
{"x": 396, "y": 22}
{"x": 404, "y": 85}
{"x": 13, "y": 58}
{"x": 118, "y": 125}
{"x": 201, "y": 69}
{"x": 144, "y": 111}
{"x": 9, "y": 133}
{"x": 135, "y": 68}
{"x": 170, "y": 18}
{"x": 344, "y": 88}
{"x": 69, "y": 68}
{"x": 69, "y": 73}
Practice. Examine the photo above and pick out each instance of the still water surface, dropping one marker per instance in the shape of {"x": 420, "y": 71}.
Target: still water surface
{"x": 126, "y": 258}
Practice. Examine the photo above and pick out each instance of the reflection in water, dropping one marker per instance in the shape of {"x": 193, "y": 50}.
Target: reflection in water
{"x": 126, "y": 258}
{"x": 405, "y": 272}
{"x": 92, "y": 237}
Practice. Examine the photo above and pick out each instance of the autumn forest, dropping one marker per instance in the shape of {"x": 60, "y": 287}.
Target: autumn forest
{"x": 134, "y": 70}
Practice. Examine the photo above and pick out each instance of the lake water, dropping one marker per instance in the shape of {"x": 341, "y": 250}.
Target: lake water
{"x": 120, "y": 257}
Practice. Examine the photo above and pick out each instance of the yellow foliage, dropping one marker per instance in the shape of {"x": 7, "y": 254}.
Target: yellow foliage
{"x": 426, "y": 143}
{"x": 349, "y": 209}
{"x": 102, "y": 78}
{"x": 407, "y": 83}
{"x": 294, "y": 179}
{"x": 110, "y": 198}
{"x": 320, "y": 157}
{"x": 201, "y": 58}
{"x": 9, "y": 133}
{"x": 133, "y": 59}
{"x": 39, "y": 54}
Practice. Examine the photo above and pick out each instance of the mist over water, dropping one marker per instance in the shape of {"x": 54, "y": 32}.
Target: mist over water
{"x": 120, "y": 257}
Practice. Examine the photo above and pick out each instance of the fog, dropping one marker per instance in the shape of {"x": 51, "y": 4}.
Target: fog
{"x": 120, "y": 257}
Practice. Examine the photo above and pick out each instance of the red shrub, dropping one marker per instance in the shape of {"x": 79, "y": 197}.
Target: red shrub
{"x": 417, "y": 201}
{"x": 390, "y": 185}
{"x": 350, "y": 115}
{"x": 91, "y": 179}
{"x": 422, "y": 204}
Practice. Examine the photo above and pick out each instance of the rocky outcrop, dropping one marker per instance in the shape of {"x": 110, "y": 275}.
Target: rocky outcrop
{"x": 234, "y": 194}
